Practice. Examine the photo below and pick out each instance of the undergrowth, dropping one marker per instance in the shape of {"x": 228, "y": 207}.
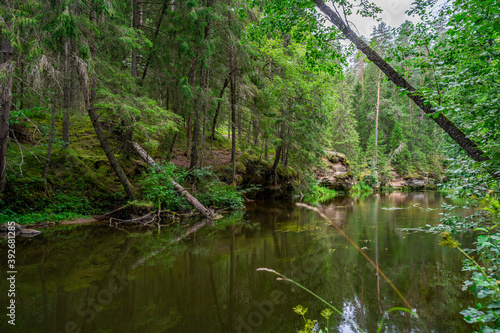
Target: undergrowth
{"x": 202, "y": 183}
{"x": 319, "y": 194}
{"x": 361, "y": 189}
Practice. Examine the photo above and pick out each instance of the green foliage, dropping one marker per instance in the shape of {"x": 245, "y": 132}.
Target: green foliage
{"x": 157, "y": 187}
{"x": 211, "y": 192}
{"x": 319, "y": 194}
{"x": 361, "y": 188}
{"x": 220, "y": 195}
{"x": 59, "y": 206}
{"x": 40, "y": 217}
{"x": 485, "y": 279}
{"x": 370, "y": 180}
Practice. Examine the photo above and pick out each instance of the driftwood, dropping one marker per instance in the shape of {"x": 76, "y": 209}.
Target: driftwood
{"x": 100, "y": 217}
{"x": 207, "y": 213}
{"x": 147, "y": 220}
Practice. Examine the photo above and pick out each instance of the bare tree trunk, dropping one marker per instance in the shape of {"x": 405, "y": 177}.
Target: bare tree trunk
{"x": 203, "y": 134}
{"x": 376, "y": 116}
{"x": 135, "y": 25}
{"x": 196, "y": 125}
{"x": 279, "y": 149}
{"x": 171, "y": 149}
{"x": 255, "y": 131}
{"x": 158, "y": 25}
{"x": 66, "y": 96}
{"x": 6, "y": 75}
{"x": 201, "y": 102}
{"x": 188, "y": 134}
{"x": 449, "y": 127}
{"x": 189, "y": 121}
{"x": 70, "y": 93}
{"x": 411, "y": 114}
{"x": 233, "y": 102}
{"x": 277, "y": 157}
{"x": 240, "y": 129}
{"x": 51, "y": 137}
{"x": 362, "y": 79}
{"x": 217, "y": 109}
{"x": 94, "y": 117}
{"x": 266, "y": 152}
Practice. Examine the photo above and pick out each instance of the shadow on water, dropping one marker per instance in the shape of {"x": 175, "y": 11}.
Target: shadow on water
{"x": 203, "y": 278}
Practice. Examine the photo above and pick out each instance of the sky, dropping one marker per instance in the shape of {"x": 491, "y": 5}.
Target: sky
{"x": 393, "y": 13}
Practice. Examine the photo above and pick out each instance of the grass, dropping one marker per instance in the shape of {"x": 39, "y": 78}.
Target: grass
{"x": 319, "y": 194}
{"x": 361, "y": 189}
{"x": 80, "y": 181}
{"x": 40, "y": 217}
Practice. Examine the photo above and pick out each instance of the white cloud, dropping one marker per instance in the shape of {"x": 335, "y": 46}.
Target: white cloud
{"x": 393, "y": 13}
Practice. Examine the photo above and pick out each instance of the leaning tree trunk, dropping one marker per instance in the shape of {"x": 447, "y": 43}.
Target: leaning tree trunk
{"x": 446, "y": 124}
{"x": 6, "y": 74}
{"x": 217, "y": 109}
{"x": 66, "y": 96}
{"x": 208, "y": 213}
{"x": 51, "y": 138}
{"x": 94, "y": 118}
{"x": 157, "y": 30}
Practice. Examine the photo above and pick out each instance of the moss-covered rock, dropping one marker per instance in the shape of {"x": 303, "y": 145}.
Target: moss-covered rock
{"x": 336, "y": 173}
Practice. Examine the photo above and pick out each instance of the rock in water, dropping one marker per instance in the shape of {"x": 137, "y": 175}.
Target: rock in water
{"x": 7, "y": 226}
{"x": 18, "y": 229}
{"x": 29, "y": 232}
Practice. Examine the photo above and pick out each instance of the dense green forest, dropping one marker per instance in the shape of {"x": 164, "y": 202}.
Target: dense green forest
{"x": 260, "y": 94}
{"x": 182, "y": 104}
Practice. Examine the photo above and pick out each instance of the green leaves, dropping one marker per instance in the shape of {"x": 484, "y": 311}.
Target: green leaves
{"x": 299, "y": 20}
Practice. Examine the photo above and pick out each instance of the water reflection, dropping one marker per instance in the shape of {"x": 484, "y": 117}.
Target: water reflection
{"x": 203, "y": 278}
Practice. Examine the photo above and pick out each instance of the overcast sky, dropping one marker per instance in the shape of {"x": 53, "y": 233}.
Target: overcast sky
{"x": 393, "y": 13}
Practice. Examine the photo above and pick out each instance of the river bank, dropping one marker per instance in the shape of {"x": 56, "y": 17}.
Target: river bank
{"x": 208, "y": 281}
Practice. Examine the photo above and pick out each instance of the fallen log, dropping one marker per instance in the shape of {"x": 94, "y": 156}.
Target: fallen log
{"x": 147, "y": 219}
{"x": 207, "y": 213}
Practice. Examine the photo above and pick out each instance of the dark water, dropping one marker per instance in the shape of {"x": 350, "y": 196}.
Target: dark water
{"x": 99, "y": 279}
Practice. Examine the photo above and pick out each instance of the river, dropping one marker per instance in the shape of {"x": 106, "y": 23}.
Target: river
{"x": 94, "y": 278}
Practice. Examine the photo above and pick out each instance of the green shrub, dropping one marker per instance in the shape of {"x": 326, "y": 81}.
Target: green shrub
{"x": 157, "y": 187}
{"x": 370, "y": 180}
{"x": 219, "y": 195}
{"x": 361, "y": 188}
{"x": 319, "y": 194}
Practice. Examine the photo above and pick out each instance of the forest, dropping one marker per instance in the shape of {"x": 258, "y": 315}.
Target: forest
{"x": 152, "y": 114}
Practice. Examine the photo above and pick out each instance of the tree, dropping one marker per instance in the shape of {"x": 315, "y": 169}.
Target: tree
{"x": 6, "y": 75}
{"x": 302, "y": 10}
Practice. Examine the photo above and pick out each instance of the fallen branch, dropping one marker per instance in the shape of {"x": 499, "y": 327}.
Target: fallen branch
{"x": 207, "y": 213}
{"x": 148, "y": 220}
{"x": 145, "y": 220}
{"x": 100, "y": 217}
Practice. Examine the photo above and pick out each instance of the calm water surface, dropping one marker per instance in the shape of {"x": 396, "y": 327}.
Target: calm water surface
{"x": 99, "y": 279}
